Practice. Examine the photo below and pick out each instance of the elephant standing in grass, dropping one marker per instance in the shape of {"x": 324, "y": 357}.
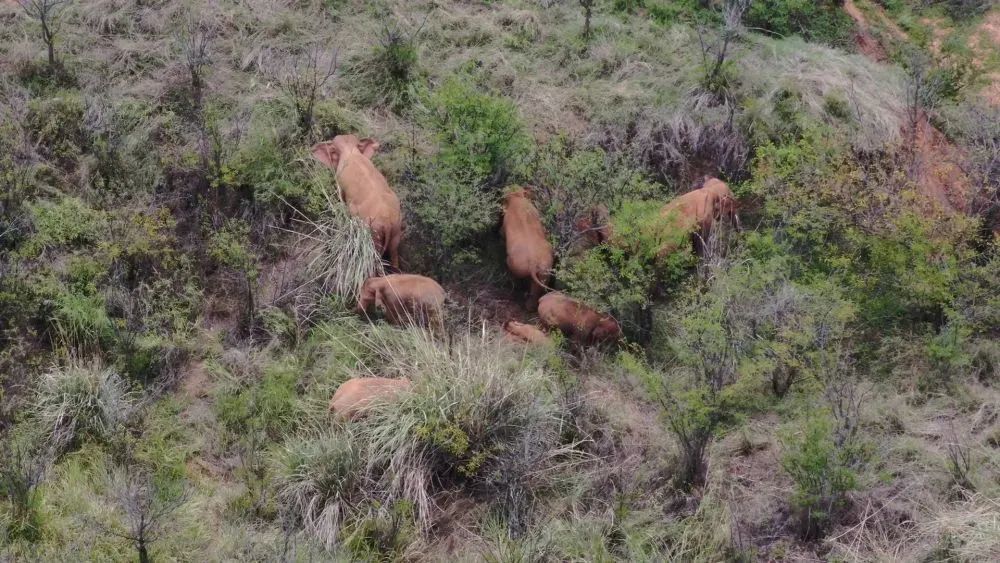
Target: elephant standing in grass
{"x": 529, "y": 254}
{"x": 365, "y": 190}
{"x": 698, "y": 212}
{"x": 405, "y": 299}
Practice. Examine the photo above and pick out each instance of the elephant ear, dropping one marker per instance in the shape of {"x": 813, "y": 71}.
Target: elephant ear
{"x": 368, "y": 147}
{"x": 328, "y": 154}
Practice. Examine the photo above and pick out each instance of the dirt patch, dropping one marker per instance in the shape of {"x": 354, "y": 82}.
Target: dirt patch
{"x": 939, "y": 172}
{"x": 937, "y": 162}
{"x": 196, "y": 382}
{"x": 484, "y": 303}
{"x": 865, "y": 41}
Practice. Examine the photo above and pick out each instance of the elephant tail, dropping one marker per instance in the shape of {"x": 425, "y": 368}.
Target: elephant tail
{"x": 534, "y": 278}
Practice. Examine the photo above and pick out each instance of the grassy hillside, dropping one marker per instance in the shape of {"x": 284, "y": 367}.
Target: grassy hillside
{"x": 178, "y": 279}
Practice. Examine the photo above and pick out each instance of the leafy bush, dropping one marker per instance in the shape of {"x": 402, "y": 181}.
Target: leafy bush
{"x": 621, "y": 276}
{"x": 822, "y": 474}
{"x": 481, "y": 142}
{"x": 80, "y": 400}
{"x": 57, "y": 125}
{"x": 570, "y": 180}
{"x": 815, "y": 20}
{"x": 897, "y": 262}
{"x": 66, "y": 222}
{"x": 478, "y": 134}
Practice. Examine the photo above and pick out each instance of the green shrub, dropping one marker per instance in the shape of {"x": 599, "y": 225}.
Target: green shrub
{"x": 814, "y": 20}
{"x": 570, "y": 180}
{"x": 81, "y": 322}
{"x": 66, "y": 222}
{"x": 621, "y": 276}
{"x": 22, "y": 472}
{"x": 269, "y": 405}
{"x": 79, "y": 401}
{"x": 822, "y": 474}
{"x": 478, "y": 134}
{"x": 56, "y": 125}
{"x": 481, "y": 142}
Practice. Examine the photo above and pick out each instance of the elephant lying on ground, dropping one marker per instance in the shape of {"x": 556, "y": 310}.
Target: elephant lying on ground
{"x": 578, "y": 321}
{"x": 529, "y": 254}
{"x": 405, "y": 299}
{"x": 364, "y": 189}
{"x": 698, "y": 211}
{"x": 354, "y": 396}
{"x": 521, "y": 333}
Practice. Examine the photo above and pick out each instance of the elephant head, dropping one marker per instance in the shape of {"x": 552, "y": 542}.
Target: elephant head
{"x": 607, "y": 330}
{"x": 330, "y": 153}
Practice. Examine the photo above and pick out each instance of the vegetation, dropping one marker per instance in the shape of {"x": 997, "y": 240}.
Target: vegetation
{"x": 178, "y": 281}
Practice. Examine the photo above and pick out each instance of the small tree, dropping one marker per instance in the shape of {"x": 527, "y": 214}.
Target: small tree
{"x": 716, "y": 65}
{"x": 48, "y": 13}
{"x": 145, "y": 509}
{"x": 302, "y": 77}
{"x": 194, "y": 41}
{"x": 588, "y": 12}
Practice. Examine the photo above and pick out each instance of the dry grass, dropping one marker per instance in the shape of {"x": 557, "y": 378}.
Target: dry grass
{"x": 875, "y": 94}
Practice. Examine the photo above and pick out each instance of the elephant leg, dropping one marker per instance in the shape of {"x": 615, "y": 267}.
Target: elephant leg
{"x": 394, "y": 248}
{"x": 534, "y": 294}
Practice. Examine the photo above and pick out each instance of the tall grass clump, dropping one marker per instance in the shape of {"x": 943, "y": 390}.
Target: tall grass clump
{"x": 319, "y": 482}
{"x": 480, "y": 420}
{"x": 387, "y": 75}
{"x": 81, "y": 400}
{"x": 790, "y": 79}
{"x": 342, "y": 252}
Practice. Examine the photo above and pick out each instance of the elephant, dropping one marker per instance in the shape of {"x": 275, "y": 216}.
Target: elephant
{"x": 521, "y": 333}
{"x": 405, "y": 299}
{"x": 595, "y": 226}
{"x": 578, "y": 321}
{"x": 365, "y": 190}
{"x": 698, "y": 211}
{"x": 529, "y": 253}
{"x": 356, "y": 395}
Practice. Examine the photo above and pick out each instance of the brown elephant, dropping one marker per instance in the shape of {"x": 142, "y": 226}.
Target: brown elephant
{"x": 405, "y": 299}
{"x": 697, "y": 212}
{"x": 354, "y": 396}
{"x": 578, "y": 321}
{"x": 521, "y": 333}
{"x": 529, "y": 254}
{"x": 592, "y": 228}
{"x": 364, "y": 189}
{"x": 595, "y": 226}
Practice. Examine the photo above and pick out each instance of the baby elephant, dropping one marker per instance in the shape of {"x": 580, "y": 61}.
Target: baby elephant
{"x": 404, "y": 299}
{"x": 521, "y": 333}
{"x": 576, "y": 320}
{"x": 354, "y": 396}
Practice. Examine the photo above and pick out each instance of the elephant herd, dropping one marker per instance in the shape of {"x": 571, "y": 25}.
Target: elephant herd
{"x": 415, "y": 299}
